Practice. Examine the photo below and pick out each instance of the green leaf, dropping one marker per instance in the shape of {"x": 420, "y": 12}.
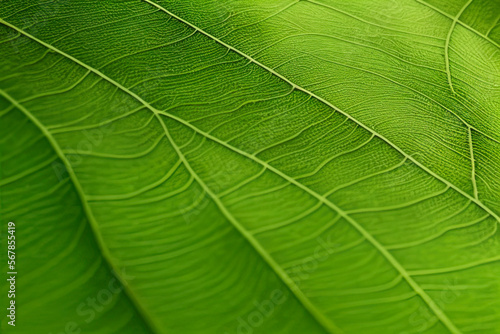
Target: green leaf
{"x": 314, "y": 166}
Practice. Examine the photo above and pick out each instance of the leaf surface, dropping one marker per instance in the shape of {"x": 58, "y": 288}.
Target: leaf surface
{"x": 253, "y": 167}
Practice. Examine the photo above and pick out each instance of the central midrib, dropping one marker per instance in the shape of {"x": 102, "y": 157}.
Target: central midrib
{"x": 374, "y": 242}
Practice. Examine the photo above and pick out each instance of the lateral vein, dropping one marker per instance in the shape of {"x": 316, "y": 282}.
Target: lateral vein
{"x": 88, "y": 211}
{"x": 447, "y": 44}
{"x": 432, "y": 305}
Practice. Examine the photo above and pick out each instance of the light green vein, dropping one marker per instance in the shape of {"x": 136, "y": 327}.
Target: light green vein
{"x": 416, "y": 162}
{"x": 473, "y": 164}
{"x": 311, "y": 308}
{"x": 389, "y": 257}
{"x": 88, "y": 212}
{"x": 493, "y": 25}
{"x": 447, "y": 44}
{"x": 466, "y": 26}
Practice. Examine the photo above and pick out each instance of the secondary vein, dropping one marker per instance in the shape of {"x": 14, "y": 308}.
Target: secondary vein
{"x": 88, "y": 212}
{"x": 329, "y": 104}
{"x": 432, "y": 305}
{"x": 326, "y": 323}
{"x": 447, "y": 44}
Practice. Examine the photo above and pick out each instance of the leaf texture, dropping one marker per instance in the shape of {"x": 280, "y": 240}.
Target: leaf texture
{"x": 306, "y": 166}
